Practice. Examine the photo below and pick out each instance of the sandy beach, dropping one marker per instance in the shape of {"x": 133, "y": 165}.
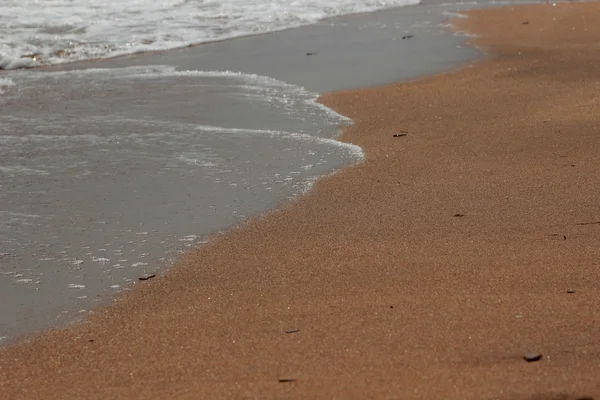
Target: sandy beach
{"x": 466, "y": 241}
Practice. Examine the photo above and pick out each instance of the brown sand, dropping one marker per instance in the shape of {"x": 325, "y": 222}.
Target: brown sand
{"x": 394, "y": 295}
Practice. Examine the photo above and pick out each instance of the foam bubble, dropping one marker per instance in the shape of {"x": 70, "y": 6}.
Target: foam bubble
{"x": 139, "y": 264}
{"x": 75, "y": 286}
{"x": 455, "y": 14}
{"x": 6, "y": 82}
{"x": 12, "y": 170}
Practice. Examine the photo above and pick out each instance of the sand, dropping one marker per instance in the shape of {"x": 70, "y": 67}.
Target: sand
{"x": 426, "y": 272}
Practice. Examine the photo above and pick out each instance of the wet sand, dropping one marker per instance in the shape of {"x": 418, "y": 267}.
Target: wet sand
{"x": 428, "y": 271}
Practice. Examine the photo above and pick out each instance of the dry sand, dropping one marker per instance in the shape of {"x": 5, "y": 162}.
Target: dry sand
{"x": 393, "y": 293}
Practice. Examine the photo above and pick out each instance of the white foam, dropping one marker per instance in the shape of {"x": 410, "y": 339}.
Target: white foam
{"x": 307, "y": 97}
{"x": 6, "y": 82}
{"x": 19, "y": 215}
{"x": 262, "y": 87}
{"x": 189, "y": 238}
{"x": 12, "y": 170}
{"x": 55, "y": 31}
{"x": 465, "y": 34}
{"x": 455, "y": 14}
{"x": 138, "y": 264}
{"x": 75, "y": 286}
{"x": 195, "y": 160}
{"x": 354, "y": 151}
{"x": 258, "y": 81}
{"x": 290, "y": 97}
{"x": 253, "y": 82}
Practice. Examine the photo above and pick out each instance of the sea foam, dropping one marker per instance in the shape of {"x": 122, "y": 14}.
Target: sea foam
{"x": 34, "y": 32}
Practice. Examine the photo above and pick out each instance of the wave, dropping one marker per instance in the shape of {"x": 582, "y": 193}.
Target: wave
{"x": 34, "y": 33}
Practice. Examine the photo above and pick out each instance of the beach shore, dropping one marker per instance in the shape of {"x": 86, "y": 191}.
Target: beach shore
{"x": 461, "y": 244}
{"x": 143, "y": 157}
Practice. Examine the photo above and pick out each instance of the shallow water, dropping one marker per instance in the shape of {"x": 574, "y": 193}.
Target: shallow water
{"x": 108, "y": 174}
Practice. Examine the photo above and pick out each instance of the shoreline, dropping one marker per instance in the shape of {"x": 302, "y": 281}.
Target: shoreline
{"x": 419, "y": 236}
{"x": 368, "y": 41}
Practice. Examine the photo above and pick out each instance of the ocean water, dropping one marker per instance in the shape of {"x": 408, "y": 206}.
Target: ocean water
{"x": 34, "y": 32}
{"x": 111, "y": 170}
{"x": 110, "y": 174}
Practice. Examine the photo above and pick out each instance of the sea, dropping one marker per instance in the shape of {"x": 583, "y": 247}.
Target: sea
{"x": 131, "y": 131}
{"x": 38, "y": 32}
